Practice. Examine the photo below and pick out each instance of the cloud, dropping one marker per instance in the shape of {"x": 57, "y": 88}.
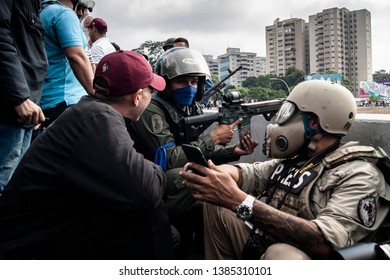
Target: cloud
{"x": 213, "y": 25}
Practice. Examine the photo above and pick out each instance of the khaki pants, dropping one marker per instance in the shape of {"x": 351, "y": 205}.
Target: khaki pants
{"x": 224, "y": 234}
{"x": 225, "y": 237}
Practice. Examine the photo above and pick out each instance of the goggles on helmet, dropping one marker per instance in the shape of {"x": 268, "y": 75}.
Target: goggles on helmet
{"x": 285, "y": 113}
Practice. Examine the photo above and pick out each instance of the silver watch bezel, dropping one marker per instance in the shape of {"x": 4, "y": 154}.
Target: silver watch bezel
{"x": 244, "y": 211}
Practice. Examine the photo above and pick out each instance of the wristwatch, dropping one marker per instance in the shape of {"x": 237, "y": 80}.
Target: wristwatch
{"x": 244, "y": 210}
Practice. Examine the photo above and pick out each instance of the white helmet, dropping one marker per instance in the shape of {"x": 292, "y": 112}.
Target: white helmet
{"x": 334, "y": 104}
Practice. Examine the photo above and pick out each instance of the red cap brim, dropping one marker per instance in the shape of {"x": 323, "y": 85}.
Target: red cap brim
{"x": 158, "y": 83}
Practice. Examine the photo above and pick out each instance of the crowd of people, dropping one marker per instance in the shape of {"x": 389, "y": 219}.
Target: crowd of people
{"x": 105, "y": 175}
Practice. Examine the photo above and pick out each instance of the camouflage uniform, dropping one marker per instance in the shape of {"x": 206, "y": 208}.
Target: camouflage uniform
{"x": 348, "y": 202}
{"x": 159, "y": 126}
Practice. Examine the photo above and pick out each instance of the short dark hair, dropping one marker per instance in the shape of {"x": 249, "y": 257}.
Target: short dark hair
{"x": 182, "y": 40}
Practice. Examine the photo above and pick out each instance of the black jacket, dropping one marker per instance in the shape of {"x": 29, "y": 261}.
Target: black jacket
{"x": 80, "y": 186}
{"x": 23, "y": 62}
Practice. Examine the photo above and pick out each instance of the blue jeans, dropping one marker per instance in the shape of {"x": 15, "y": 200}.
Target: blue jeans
{"x": 14, "y": 142}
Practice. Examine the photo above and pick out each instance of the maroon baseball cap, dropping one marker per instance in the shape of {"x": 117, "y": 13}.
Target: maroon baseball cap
{"x": 98, "y": 23}
{"x": 124, "y": 72}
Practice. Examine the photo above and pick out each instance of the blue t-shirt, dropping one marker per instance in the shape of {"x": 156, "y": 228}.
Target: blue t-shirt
{"x": 62, "y": 30}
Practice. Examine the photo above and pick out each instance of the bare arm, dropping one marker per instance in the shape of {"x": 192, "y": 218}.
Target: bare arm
{"x": 81, "y": 66}
{"x": 290, "y": 229}
{"x": 232, "y": 170}
{"x": 218, "y": 186}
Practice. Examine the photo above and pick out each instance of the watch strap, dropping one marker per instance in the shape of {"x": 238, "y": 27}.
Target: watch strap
{"x": 249, "y": 200}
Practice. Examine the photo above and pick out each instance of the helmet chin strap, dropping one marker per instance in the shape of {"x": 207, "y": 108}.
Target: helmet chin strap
{"x": 312, "y": 136}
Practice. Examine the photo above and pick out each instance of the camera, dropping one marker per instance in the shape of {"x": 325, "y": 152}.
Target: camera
{"x": 256, "y": 246}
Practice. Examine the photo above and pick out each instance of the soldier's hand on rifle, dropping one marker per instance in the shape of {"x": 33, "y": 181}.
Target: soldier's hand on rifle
{"x": 246, "y": 147}
{"x": 223, "y": 133}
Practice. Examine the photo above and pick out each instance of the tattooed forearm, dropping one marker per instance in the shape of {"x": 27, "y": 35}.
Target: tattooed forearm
{"x": 287, "y": 228}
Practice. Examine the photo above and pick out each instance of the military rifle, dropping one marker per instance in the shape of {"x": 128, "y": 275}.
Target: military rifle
{"x": 218, "y": 86}
{"x": 233, "y": 108}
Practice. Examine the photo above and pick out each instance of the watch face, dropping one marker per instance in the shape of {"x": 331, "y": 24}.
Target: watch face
{"x": 244, "y": 212}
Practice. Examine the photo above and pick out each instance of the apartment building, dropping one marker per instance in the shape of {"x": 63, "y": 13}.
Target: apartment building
{"x": 340, "y": 40}
{"x": 285, "y": 46}
{"x": 213, "y": 64}
{"x": 252, "y": 66}
{"x": 260, "y": 66}
{"x": 335, "y": 39}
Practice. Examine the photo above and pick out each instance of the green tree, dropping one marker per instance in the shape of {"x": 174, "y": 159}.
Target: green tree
{"x": 259, "y": 93}
{"x": 153, "y": 49}
{"x": 250, "y": 82}
{"x": 381, "y": 75}
{"x": 260, "y": 81}
{"x": 263, "y": 81}
{"x": 374, "y": 98}
{"x": 214, "y": 78}
{"x": 229, "y": 88}
{"x": 293, "y": 76}
{"x": 243, "y": 90}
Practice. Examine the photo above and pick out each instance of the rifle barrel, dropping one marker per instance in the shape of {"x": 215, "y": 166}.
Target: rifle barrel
{"x": 204, "y": 118}
{"x": 218, "y": 86}
{"x": 262, "y": 103}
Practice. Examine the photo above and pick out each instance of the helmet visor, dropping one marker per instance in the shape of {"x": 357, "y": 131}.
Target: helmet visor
{"x": 285, "y": 112}
{"x": 183, "y": 61}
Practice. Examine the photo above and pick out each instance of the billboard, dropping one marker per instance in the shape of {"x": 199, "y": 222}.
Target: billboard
{"x": 368, "y": 89}
{"x": 335, "y": 78}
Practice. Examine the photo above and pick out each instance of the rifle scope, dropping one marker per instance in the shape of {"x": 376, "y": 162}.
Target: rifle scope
{"x": 233, "y": 97}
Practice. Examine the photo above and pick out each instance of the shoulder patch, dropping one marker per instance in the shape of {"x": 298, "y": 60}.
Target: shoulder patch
{"x": 157, "y": 123}
{"x": 367, "y": 210}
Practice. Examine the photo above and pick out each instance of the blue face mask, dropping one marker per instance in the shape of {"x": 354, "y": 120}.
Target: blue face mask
{"x": 185, "y": 95}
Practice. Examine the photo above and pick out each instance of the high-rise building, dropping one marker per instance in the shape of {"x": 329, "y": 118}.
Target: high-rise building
{"x": 340, "y": 40}
{"x": 213, "y": 64}
{"x": 252, "y": 66}
{"x": 260, "y": 66}
{"x": 335, "y": 39}
{"x": 285, "y": 41}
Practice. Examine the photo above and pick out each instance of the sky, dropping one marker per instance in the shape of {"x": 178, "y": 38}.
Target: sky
{"x": 211, "y": 26}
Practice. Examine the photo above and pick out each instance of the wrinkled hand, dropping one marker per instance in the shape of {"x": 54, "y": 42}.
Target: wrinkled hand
{"x": 213, "y": 185}
{"x": 246, "y": 146}
{"x": 224, "y": 133}
{"x": 29, "y": 113}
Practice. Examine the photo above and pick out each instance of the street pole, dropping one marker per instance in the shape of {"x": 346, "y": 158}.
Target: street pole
{"x": 283, "y": 81}
{"x": 303, "y": 78}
